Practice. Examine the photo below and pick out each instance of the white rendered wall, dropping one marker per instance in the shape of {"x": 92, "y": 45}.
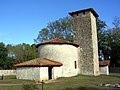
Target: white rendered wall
{"x": 43, "y": 73}
{"x": 7, "y": 72}
{"x": 66, "y": 54}
{"x": 57, "y": 72}
{"x": 30, "y": 73}
{"x": 104, "y": 70}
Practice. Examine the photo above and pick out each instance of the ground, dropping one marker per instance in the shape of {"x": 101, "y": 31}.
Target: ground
{"x": 79, "y": 82}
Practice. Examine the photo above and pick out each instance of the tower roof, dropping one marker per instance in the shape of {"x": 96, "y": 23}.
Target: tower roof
{"x": 88, "y": 9}
{"x": 57, "y": 41}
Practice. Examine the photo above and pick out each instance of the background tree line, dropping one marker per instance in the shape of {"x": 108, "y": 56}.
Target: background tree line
{"x": 12, "y": 54}
{"x": 108, "y": 42}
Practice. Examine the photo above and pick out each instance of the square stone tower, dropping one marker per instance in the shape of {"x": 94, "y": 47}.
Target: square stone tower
{"x": 84, "y": 23}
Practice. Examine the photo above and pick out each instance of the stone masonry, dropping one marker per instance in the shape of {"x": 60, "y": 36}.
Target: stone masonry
{"x": 84, "y": 22}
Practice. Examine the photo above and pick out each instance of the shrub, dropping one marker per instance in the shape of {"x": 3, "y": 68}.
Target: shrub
{"x": 30, "y": 87}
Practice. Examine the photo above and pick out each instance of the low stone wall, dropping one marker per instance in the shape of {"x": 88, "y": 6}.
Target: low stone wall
{"x": 7, "y": 72}
{"x": 104, "y": 70}
{"x": 29, "y": 73}
{"x": 115, "y": 70}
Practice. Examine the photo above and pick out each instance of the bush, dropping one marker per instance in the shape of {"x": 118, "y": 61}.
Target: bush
{"x": 30, "y": 87}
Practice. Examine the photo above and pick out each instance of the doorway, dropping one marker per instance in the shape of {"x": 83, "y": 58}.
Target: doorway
{"x": 50, "y": 73}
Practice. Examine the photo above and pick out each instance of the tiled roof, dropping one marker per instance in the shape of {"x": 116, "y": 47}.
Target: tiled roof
{"x": 38, "y": 62}
{"x": 104, "y": 63}
{"x": 57, "y": 41}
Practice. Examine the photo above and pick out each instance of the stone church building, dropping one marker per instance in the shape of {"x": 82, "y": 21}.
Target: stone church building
{"x": 61, "y": 58}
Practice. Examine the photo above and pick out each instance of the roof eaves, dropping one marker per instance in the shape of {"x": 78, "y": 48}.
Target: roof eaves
{"x": 57, "y": 41}
{"x": 87, "y": 9}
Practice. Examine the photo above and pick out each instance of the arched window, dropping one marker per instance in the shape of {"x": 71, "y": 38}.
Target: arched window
{"x": 75, "y": 64}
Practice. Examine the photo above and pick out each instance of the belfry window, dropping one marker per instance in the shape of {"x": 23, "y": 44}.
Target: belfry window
{"x": 75, "y": 64}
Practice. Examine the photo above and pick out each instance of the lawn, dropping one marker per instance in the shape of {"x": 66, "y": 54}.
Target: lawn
{"x": 79, "y": 82}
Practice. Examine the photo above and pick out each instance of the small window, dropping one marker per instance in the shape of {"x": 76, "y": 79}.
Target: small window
{"x": 77, "y": 14}
{"x": 75, "y": 64}
{"x": 83, "y": 12}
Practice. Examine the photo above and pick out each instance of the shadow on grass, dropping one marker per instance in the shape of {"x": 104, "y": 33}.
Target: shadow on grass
{"x": 90, "y": 88}
{"x": 117, "y": 76}
{"x": 81, "y": 88}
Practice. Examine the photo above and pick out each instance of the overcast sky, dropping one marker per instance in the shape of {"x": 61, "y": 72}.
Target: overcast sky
{"x": 21, "y": 20}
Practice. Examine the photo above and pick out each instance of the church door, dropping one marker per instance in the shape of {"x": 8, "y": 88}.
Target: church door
{"x": 50, "y": 72}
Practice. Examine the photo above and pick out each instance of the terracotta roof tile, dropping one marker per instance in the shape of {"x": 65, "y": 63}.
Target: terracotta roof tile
{"x": 57, "y": 41}
{"x": 39, "y": 62}
{"x": 104, "y": 63}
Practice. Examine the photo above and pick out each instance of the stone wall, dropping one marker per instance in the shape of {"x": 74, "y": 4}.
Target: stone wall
{"x": 63, "y": 53}
{"x": 95, "y": 45}
{"x": 7, "y": 72}
{"x": 86, "y": 36}
{"x": 30, "y": 73}
{"x": 37, "y": 73}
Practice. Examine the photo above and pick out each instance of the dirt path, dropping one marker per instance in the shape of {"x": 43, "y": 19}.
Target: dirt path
{"x": 9, "y": 84}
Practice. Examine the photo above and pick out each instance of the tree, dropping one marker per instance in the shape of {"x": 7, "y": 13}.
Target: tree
{"x": 3, "y": 55}
{"x": 104, "y": 39}
{"x": 61, "y": 28}
{"x": 116, "y": 22}
{"x": 10, "y": 54}
{"x": 101, "y": 33}
{"x": 114, "y": 42}
{"x": 22, "y": 52}
{"x": 109, "y": 43}
{"x": 5, "y": 61}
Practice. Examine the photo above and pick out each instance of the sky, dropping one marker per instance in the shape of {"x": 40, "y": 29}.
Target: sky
{"x": 21, "y": 20}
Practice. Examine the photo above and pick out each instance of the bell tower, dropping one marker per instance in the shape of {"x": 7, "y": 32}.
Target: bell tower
{"x": 84, "y": 23}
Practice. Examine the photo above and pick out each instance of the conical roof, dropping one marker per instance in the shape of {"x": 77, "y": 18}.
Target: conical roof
{"x": 57, "y": 41}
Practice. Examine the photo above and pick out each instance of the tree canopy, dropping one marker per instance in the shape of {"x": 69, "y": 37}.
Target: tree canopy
{"x": 5, "y": 61}
{"x": 22, "y": 52}
{"x": 61, "y": 28}
{"x": 109, "y": 42}
{"x": 12, "y": 54}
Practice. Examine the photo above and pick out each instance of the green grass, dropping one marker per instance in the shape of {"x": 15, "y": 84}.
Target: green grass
{"x": 82, "y": 82}
{"x": 79, "y": 82}
{"x": 9, "y": 77}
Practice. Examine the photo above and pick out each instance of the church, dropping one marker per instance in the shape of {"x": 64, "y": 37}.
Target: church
{"x": 61, "y": 58}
